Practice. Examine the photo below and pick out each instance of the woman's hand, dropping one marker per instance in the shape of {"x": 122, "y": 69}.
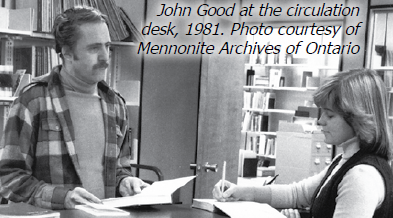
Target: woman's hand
{"x": 232, "y": 192}
{"x": 226, "y": 195}
{"x": 291, "y": 213}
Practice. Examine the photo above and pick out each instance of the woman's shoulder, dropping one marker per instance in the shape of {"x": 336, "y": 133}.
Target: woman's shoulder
{"x": 365, "y": 178}
{"x": 364, "y": 170}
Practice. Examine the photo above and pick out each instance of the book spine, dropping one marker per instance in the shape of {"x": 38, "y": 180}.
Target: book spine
{"x": 33, "y": 61}
{"x": 4, "y": 110}
{"x": 33, "y": 4}
{"x": 7, "y": 55}
{"x": 116, "y": 68}
{"x": 39, "y": 15}
{"x": 8, "y": 4}
{"x": 38, "y": 61}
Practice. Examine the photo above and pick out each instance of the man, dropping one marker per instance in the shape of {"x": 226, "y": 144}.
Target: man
{"x": 65, "y": 139}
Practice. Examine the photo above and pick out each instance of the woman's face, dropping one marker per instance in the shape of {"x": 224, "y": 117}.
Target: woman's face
{"x": 334, "y": 127}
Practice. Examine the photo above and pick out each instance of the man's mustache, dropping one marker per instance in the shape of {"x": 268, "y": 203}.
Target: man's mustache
{"x": 100, "y": 65}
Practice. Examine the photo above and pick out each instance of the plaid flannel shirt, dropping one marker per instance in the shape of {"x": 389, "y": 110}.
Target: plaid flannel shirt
{"x": 38, "y": 163}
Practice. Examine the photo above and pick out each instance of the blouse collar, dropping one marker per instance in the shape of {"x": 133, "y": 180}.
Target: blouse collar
{"x": 350, "y": 147}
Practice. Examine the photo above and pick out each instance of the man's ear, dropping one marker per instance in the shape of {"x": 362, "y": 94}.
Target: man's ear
{"x": 67, "y": 53}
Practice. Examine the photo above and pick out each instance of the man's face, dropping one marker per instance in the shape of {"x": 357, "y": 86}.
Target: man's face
{"x": 90, "y": 56}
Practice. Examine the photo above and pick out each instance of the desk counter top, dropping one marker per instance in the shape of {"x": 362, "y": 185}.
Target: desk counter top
{"x": 156, "y": 211}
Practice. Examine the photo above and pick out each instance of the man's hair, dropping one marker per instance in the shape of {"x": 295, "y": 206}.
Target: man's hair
{"x": 360, "y": 97}
{"x": 66, "y": 25}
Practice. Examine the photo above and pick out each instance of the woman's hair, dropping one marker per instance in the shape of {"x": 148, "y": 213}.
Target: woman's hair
{"x": 360, "y": 97}
{"x": 66, "y": 25}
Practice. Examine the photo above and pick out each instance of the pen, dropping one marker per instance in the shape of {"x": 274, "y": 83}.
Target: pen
{"x": 224, "y": 166}
{"x": 271, "y": 181}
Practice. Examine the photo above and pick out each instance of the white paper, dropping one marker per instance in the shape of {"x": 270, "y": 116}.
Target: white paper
{"x": 101, "y": 210}
{"x": 241, "y": 209}
{"x": 166, "y": 186}
{"x": 160, "y": 192}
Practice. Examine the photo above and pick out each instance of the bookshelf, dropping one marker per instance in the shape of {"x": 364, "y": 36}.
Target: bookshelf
{"x": 25, "y": 33}
{"x": 379, "y": 48}
{"x": 286, "y": 84}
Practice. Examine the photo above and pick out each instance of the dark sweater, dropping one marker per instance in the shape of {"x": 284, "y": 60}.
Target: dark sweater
{"x": 324, "y": 205}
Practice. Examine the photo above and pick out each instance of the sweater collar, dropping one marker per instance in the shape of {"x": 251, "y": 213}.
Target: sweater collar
{"x": 72, "y": 83}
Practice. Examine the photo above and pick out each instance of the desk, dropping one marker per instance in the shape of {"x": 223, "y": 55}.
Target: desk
{"x": 157, "y": 211}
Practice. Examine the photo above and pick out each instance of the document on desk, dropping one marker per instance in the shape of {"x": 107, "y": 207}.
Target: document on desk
{"x": 238, "y": 209}
{"x": 160, "y": 192}
{"x": 101, "y": 210}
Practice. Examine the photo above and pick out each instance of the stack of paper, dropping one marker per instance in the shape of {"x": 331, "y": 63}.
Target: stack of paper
{"x": 159, "y": 192}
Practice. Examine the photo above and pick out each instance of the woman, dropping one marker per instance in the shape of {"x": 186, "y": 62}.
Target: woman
{"x": 359, "y": 182}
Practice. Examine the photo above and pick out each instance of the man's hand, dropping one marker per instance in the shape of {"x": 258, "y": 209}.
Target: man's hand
{"x": 79, "y": 196}
{"x": 131, "y": 185}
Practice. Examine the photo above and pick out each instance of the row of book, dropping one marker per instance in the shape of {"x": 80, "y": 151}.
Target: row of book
{"x": 273, "y": 79}
{"x": 39, "y": 15}
{"x": 259, "y": 100}
{"x": 279, "y": 58}
{"x": 258, "y": 157}
{"x": 255, "y": 122}
{"x": 261, "y": 144}
{"x": 36, "y": 60}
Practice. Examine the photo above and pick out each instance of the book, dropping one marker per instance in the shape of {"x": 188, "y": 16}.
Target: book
{"x": 274, "y": 77}
{"x": 24, "y": 81}
{"x": 24, "y": 210}
{"x": 114, "y": 69}
{"x": 134, "y": 34}
{"x": 160, "y": 192}
{"x": 117, "y": 29}
{"x": 238, "y": 208}
{"x": 7, "y": 4}
{"x": 21, "y": 19}
{"x": 304, "y": 77}
{"x": 25, "y": 58}
{"x": 7, "y": 52}
{"x": 246, "y": 121}
{"x": 250, "y": 167}
{"x": 16, "y": 78}
{"x": 261, "y": 80}
{"x": 243, "y": 154}
{"x": 262, "y": 144}
{"x": 250, "y": 77}
{"x": 205, "y": 204}
{"x": 4, "y": 111}
{"x": 5, "y": 85}
{"x": 20, "y": 4}
{"x": 4, "y": 21}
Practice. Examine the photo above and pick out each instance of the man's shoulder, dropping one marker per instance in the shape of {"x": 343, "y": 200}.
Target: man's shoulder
{"x": 34, "y": 87}
{"x": 107, "y": 89}
{"x": 40, "y": 83}
{"x": 34, "y": 91}
{"x": 118, "y": 95}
